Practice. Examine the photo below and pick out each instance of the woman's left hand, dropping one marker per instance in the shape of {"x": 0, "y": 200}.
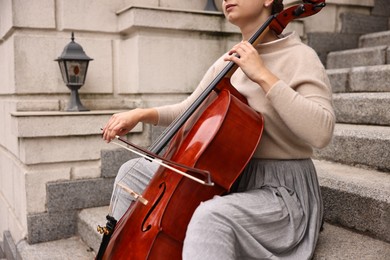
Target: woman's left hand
{"x": 250, "y": 62}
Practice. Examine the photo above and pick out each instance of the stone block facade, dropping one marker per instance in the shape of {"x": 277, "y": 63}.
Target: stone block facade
{"x": 145, "y": 53}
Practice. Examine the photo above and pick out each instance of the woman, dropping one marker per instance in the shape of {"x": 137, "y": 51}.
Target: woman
{"x": 276, "y": 211}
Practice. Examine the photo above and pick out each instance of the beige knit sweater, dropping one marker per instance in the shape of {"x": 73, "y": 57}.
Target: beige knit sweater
{"x": 298, "y": 112}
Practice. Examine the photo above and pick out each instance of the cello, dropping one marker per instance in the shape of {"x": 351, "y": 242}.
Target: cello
{"x": 154, "y": 226}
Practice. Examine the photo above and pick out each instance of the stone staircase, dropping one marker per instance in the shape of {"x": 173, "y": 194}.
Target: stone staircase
{"x": 354, "y": 170}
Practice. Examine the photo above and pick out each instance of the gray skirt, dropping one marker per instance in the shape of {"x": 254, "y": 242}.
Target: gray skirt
{"x": 275, "y": 212}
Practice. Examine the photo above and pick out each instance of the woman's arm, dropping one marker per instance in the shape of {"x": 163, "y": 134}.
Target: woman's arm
{"x": 304, "y": 103}
{"x": 122, "y": 123}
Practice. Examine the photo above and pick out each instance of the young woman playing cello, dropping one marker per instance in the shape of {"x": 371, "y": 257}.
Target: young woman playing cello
{"x": 276, "y": 210}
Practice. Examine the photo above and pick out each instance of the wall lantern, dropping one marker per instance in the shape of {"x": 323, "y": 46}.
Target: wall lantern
{"x": 74, "y": 65}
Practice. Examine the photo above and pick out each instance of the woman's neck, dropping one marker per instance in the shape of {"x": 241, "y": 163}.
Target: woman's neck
{"x": 250, "y": 29}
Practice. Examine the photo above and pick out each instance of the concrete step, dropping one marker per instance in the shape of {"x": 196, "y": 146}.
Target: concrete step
{"x": 356, "y": 23}
{"x": 362, "y": 108}
{"x": 87, "y": 223}
{"x": 357, "y": 57}
{"x": 366, "y": 145}
{"x": 339, "y": 79}
{"x": 375, "y": 39}
{"x": 356, "y": 198}
{"x": 342, "y": 244}
{"x": 381, "y": 8}
{"x": 64, "y": 200}
{"x": 65, "y": 249}
{"x": 360, "y": 79}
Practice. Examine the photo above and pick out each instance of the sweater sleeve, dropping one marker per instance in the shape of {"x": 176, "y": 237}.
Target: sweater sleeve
{"x": 305, "y": 105}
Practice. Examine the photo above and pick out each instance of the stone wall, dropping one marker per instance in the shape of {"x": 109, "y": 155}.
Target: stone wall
{"x": 146, "y": 53}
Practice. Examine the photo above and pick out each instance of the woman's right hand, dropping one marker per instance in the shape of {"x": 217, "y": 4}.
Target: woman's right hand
{"x": 121, "y": 123}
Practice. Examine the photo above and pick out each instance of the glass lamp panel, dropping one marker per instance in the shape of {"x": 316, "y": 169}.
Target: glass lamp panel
{"x": 83, "y": 70}
{"x": 76, "y": 71}
{"x": 63, "y": 71}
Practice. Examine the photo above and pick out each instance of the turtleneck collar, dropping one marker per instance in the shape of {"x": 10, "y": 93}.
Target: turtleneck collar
{"x": 282, "y": 42}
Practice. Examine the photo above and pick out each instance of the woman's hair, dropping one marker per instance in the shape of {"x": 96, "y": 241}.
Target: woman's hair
{"x": 277, "y": 6}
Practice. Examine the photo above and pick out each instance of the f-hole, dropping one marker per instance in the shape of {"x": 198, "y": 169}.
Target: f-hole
{"x": 162, "y": 188}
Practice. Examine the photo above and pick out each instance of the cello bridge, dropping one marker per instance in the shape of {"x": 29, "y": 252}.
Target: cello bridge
{"x": 134, "y": 194}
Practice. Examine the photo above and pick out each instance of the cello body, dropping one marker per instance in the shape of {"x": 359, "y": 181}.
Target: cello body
{"x": 221, "y": 138}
